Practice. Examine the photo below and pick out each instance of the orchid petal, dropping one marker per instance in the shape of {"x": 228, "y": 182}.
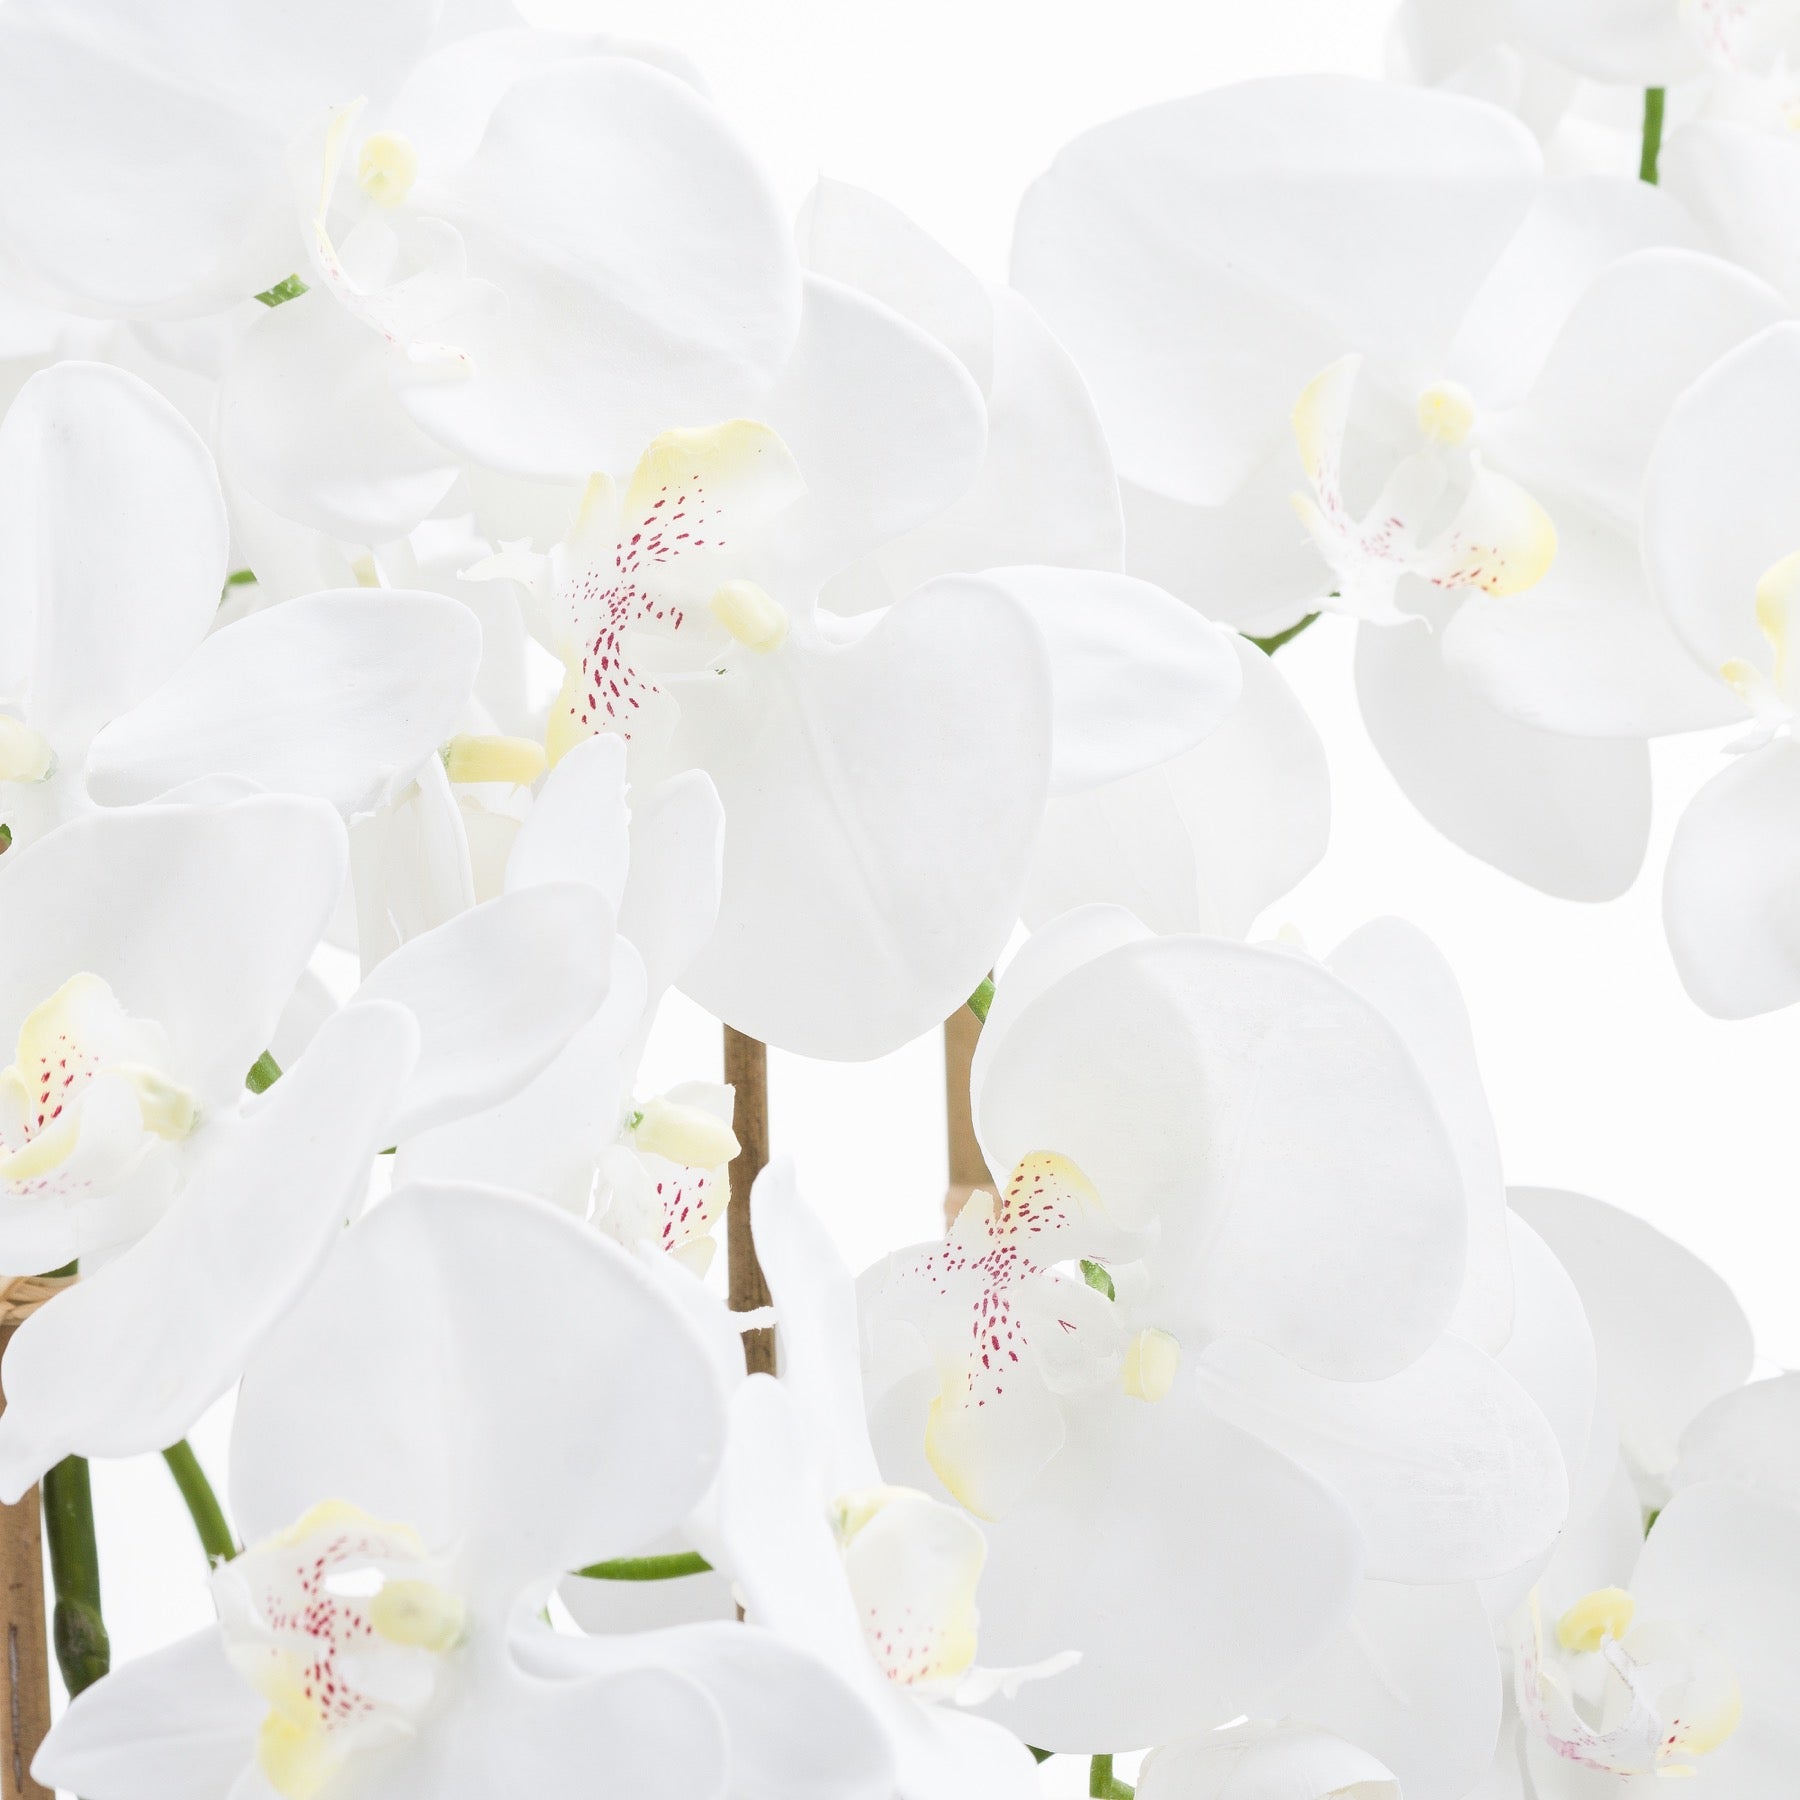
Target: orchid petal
{"x": 227, "y": 904}
{"x": 1719, "y": 503}
{"x": 381, "y": 1387}
{"x": 341, "y": 694}
{"x": 1263, "y": 1762}
{"x": 1570, "y": 816}
{"x": 1413, "y": 1678}
{"x": 1398, "y": 969}
{"x": 309, "y": 425}
{"x": 637, "y": 288}
{"x": 1203, "y": 1607}
{"x": 497, "y": 992}
{"x": 114, "y": 552}
{"x": 1448, "y": 1466}
{"x": 1669, "y": 1335}
{"x": 837, "y": 935}
{"x": 1264, "y": 1075}
{"x": 1749, "y": 1437}
{"x": 1729, "y": 886}
{"x": 178, "y": 1721}
{"x": 1136, "y": 677}
{"x": 1210, "y": 839}
{"x": 886, "y": 422}
{"x": 578, "y": 828}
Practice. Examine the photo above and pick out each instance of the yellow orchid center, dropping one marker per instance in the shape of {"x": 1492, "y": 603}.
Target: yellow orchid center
{"x": 86, "y": 1075}
{"x": 472, "y": 756}
{"x": 1446, "y": 412}
{"x": 1152, "y": 1360}
{"x": 342, "y": 1623}
{"x": 386, "y": 167}
{"x": 417, "y": 1613}
{"x": 750, "y": 614}
{"x": 25, "y": 755}
{"x": 1777, "y": 604}
{"x": 689, "y": 1135}
{"x": 1605, "y": 1613}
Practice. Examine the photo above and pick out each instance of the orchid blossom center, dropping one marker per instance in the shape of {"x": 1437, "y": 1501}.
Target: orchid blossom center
{"x": 665, "y": 1180}
{"x": 25, "y": 755}
{"x": 1152, "y": 1361}
{"x": 913, "y": 1565}
{"x": 387, "y": 165}
{"x": 750, "y": 615}
{"x": 654, "y": 582}
{"x": 1018, "y": 1318}
{"x": 1496, "y": 537}
{"x": 343, "y": 1624}
{"x": 1772, "y": 694}
{"x": 88, "y": 1096}
{"x": 1624, "y": 1698}
{"x": 471, "y": 756}
{"x": 1446, "y": 412}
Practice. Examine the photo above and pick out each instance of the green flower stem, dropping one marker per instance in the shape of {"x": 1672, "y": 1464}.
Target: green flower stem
{"x": 78, "y": 1631}
{"x": 264, "y": 1073}
{"x": 202, "y": 1503}
{"x": 289, "y": 287}
{"x": 1269, "y": 645}
{"x": 1103, "y": 1785}
{"x": 982, "y": 998}
{"x": 648, "y": 1568}
{"x": 1653, "y": 130}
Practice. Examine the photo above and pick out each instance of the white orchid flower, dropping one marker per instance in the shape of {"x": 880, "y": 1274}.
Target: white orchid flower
{"x": 1724, "y": 563}
{"x": 462, "y": 238}
{"x": 1687, "y": 1670}
{"x": 683, "y": 614}
{"x": 882, "y": 1581}
{"x": 153, "y": 951}
{"x": 651, "y": 1167}
{"x": 440, "y": 1428}
{"x": 156, "y": 143}
{"x": 1461, "y": 417}
{"x": 114, "y": 688}
{"x": 1169, "y": 1299}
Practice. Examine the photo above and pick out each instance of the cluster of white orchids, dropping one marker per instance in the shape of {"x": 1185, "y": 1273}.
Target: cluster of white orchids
{"x": 473, "y": 563}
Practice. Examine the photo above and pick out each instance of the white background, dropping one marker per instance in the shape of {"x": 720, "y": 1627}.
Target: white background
{"x": 1602, "y": 1075}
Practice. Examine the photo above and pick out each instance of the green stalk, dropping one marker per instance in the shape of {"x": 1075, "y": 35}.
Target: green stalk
{"x": 264, "y": 1073}
{"x": 1653, "y": 130}
{"x": 1269, "y": 645}
{"x": 982, "y": 998}
{"x": 78, "y": 1631}
{"x": 1103, "y": 1785}
{"x": 648, "y": 1568}
{"x": 202, "y": 1503}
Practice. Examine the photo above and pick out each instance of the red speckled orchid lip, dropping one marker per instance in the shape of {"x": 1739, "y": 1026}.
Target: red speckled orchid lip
{"x": 1028, "y": 1330}
{"x": 342, "y": 1623}
{"x": 647, "y": 566}
{"x": 1500, "y": 541}
{"x": 1675, "y": 1699}
{"x": 87, "y": 1097}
